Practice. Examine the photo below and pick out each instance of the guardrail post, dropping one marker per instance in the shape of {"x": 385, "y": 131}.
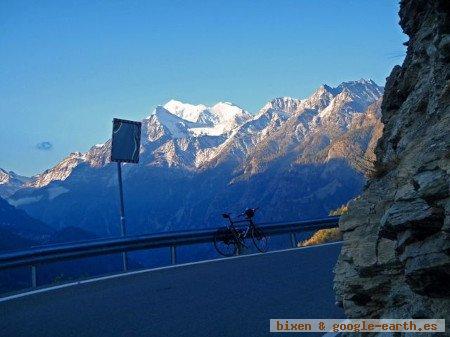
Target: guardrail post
{"x": 33, "y": 276}
{"x": 124, "y": 261}
{"x": 173, "y": 254}
{"x": 293, "y": 240}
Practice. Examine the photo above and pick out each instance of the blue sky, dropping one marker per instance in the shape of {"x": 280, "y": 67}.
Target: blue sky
{"x": 67, "y": 68}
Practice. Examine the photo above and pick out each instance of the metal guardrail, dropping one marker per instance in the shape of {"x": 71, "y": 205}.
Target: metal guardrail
{"x": 60, "y": 252}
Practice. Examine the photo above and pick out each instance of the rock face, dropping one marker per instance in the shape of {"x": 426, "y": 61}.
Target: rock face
{"x": 395, "y": 259}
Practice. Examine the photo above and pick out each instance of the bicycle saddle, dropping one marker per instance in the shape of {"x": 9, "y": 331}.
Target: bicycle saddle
{"x": 250, "y": 212}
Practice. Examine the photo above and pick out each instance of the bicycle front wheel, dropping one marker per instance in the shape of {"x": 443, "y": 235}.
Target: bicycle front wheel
{"x": 259, "y": 239}
{"x": 225, "y": 242}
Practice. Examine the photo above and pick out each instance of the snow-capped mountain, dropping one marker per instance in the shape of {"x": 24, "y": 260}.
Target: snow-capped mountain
{"x": 196, "y": 161}
{"x": 219, "y": 119}
{"x": 59, "y": 172}
{"x": 10, "y": 182}
{"x": 183, "y": 120}
{"x": 301, "y": 127}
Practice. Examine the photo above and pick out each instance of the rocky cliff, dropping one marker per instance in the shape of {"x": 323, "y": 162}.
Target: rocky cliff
{"x": 395, "y": 259}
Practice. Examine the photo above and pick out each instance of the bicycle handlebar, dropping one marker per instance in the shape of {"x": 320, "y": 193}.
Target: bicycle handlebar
{"x": 249, "y": 212}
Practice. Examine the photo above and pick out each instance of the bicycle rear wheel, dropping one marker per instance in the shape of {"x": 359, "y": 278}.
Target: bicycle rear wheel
{"x": 259, "y": 239}
{"x": 225, "y": 242}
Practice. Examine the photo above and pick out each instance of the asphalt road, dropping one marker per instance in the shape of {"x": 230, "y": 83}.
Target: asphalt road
{"x": 233, "y": 297}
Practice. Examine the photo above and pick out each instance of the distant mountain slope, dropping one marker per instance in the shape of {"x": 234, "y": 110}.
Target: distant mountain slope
{"x": 70, "y": 234}
{"x": 19, "y": 230}
{"x": 21, "y": 223}
{"x": 295, "y": 158}
{"x": 9, "y": 240}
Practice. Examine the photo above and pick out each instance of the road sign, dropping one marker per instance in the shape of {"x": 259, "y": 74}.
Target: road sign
{"x": 125, "y": 146}
{"x": 126, "y": 141}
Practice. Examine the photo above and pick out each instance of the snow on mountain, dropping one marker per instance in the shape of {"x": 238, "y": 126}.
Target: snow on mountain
{"x": 9, "y": 176}
{"x": 320, "y": 99}
{"x": 364, "y": 90}
{"x": 59, "y": 172}
{"x": 219, "y": 119}
{"x": 286, "y": 104}
{"x": 198, "y": 137}
{"x": 175, "y": 125}
{"x": 302, "y": 127}
{"x": 10, "y": 182}
{"x": 296, "y": 158}
{"x": 185, "y": 111}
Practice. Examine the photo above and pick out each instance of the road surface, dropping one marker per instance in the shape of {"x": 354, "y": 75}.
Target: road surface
{"x": 230, "y": 297}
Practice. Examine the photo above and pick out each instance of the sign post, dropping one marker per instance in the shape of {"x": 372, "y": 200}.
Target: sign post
{"x": 122, "y": 208}
{"x": 125, "y": 145}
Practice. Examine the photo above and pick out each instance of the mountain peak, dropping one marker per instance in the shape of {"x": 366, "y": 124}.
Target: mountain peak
{"x": 6, "y": 176}
{"x": 10, "y": 182}
{"x": 224, "y": 105}
{"x": 366, "y": 81}
{"x": 362, "y": 90}
{"x": 224, "y": 110}
{"x": 200, "y": 132}
{"x": 287, "y": 104}
{"x": 186, "y": 111}
{"x": 201, "y": 113}
{"x": 361, "y": 83}
{"x": 176, "y": 125}
{"x": 326, "y": 88}
{"x": 184, "y": 119}
{"x": 320, "y": 98}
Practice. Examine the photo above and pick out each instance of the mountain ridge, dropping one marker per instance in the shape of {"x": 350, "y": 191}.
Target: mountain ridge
{"x": 192, "y": 173}
{"x": 10, "y": 182}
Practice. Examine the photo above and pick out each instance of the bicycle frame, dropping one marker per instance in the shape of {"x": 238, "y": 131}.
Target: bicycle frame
{"x": 244, "y": 234}
{"x": 236, "y": 235}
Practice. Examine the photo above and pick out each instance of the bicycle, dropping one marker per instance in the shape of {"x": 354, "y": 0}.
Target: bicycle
{"x": 230, "y": 240}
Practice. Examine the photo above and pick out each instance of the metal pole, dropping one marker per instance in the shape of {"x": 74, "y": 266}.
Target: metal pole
{"x": 173, "y": 254}
{"x": 122, "y": 214}
{"x": 122, "y": 208}
{"x": 293, "y": 240}
{"x": 33, "y": 276}
{"x": 124, "y": 261}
